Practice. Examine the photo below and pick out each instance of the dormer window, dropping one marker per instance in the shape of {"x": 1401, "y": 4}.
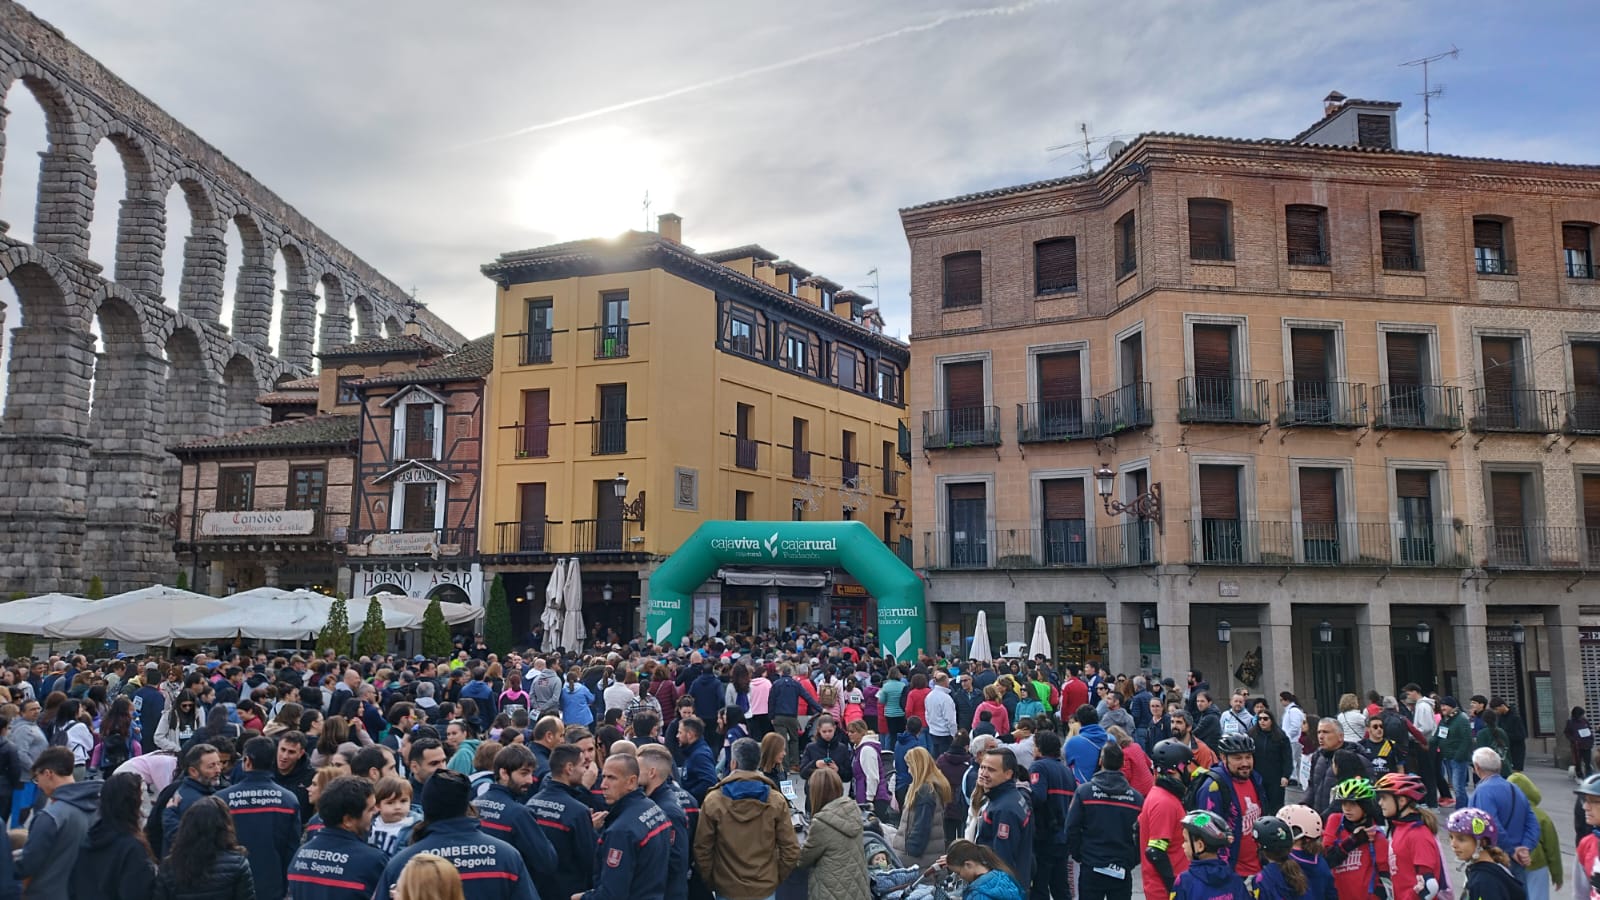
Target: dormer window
{"x": 418, "y": 424}
{"x": 347, "y": 391}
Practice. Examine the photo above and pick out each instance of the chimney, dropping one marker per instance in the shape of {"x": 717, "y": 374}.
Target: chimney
{"x": 670, "y": 226}
{"x": 1331, "y": 103}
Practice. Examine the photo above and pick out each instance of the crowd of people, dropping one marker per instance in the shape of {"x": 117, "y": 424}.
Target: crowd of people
{"x": 644, "y": 772}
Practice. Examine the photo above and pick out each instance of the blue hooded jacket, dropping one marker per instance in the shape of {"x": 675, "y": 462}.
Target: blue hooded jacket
{"x": 1209, "y": 879}
{"x": 992, "y": 885}
{"x": 1082, "y": 752}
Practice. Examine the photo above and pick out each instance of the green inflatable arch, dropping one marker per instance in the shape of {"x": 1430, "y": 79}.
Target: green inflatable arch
{"x": 851, "y": 546}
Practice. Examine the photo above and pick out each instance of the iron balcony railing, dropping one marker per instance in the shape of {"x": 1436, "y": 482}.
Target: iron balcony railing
{"x": 1491, "y": 266}
{"x": 1055, "y": 420}
{"x": 597, "y": 536}
{"x": 1583, "y": 411}
{"x": 891, "y": 482}
{"x": 970, "y": 426}
{"x": 451, "y": 542}
{"x": 1401, "y": 263}
{"x": 523, "y": 537}
{"x": 1519, "y": 409}
{"x": 537, "y": 347}
{"x": 611, "y": 341}
{"x": 1308, "y": 257}
{"x": 1125, "y": 408}
{"x": 1434, "y": 407}
{"x": 746, "y": 453}
{"x": 1241, "y": 401}
{"x": 1251, "y": 542}
{"x": 1059, "y": 544}
{"x": 1332, "y": 403}
{"x": 1211, "y": 252}
{"x": 609, "y": 437}
{"x": 800, "y": 466}
{"x": 1580, "y": 269}
{"x": 850, "y": 473}
{"x": 1541, "y": 547}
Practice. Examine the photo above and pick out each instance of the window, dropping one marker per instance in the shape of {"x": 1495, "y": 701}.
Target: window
{"x": 794, "y": 351}
{"x": 888, "y": 383}
{"x": 612, "y": 428}
{"x": 800, "y": 457}
{"x": 1127, "y": 245}
{"x": 1319, "y": 516}
{"x": 1209, "y": 236}
{"x": 967, "y": 515}
{"x": 537, "y": 345}
{"x": 347, "y": 390}
{"x": 419, "y": 430}
{"x": 797, "y": 510}
{"x": 1489, "y": 247}
{"x": 1221, "y": 537}
{"x": 1306, "y": 231}
{"x": 1411, "y": 399}
{"x": 741, "y": 505}
{"x": 419, "y": 504}
{"x": 612, "y": 340}
{"x": 306, "y": 486}
{"x": 235, "y": 489}
{"x": 965, "y": 417}
{"x": 1583, "y": 407}
{"x": 741, "y": 337}
{"x": 846, "y": 368}
{"x": 1509, "y": 493}
{"x": 535, "y": 423}
{"x": 532, "y": 518}
{"x": 608, "y": 517}
{"x": 1397, "y": 233}
{"x": 963, "y": 279}
{"x": 1577, "y": 245}
{"x": 745, "y": 449}
{"x": 1591, "y": 516}
{"x": 849, "y": 466}
{"x": 794, "y": 284}
{"x": 1503, "y": 403}
{"x": 888, "y": 528}
{"x": 891, "y": 476}
{"x": 1063, "y": 527}
{"x": 1374, "y": 131}
{"x": 1060, "y": 410}
{"x": 1216, "y": 388}
{"x": 1055, "y": 265}
{"x": 1315, "y": 397}
{"x": 1413, "y": 489}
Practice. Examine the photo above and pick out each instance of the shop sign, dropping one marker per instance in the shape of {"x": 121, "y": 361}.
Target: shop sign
{"x": 258, "y": 522}
{"x": 421, "y": 582}
{"x": 1589, "y": 635}
{"x": 849, "y": 590}
{"x": 405, "y": 543}
{"x": 1227, "y": 589}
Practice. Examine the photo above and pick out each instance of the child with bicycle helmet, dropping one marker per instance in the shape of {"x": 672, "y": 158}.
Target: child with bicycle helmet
{"x": 1415, "y": 864}
{"x": 1209, "y": 877}
{"x": 1355, "y": 843}
{"x": 1472, "y": 839}
{"x": 1281, "y": 877}
{"x": 1305, "y": 826}
{"x": 1589, "y": 846}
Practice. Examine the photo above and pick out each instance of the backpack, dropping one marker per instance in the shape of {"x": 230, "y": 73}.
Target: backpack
{"x": 58, "y": 737}
{"x": 111, "y": 752}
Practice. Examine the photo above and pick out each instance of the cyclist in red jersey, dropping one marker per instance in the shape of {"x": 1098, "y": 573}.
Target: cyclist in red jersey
{"x": 1416, "y": 866}
{"x": 1355, "y": 842}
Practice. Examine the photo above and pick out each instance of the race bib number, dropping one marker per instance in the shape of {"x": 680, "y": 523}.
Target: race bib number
{"x": 1444, "y": 732}
{"x": 1583, "y": 732}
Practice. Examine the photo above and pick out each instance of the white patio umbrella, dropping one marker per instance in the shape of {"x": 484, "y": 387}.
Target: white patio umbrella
{"x": 294, "y": 615}
{"x": 980, "y": 639}
{"x": 572, "y": 607}
{"x": 454, "y": 613}
{"x": 551, "y": 617}
{"x": 30, "y": 615}
{"x": 144, "y": 616}
{"x": 1040, "y": 645}
{"x": 255, "y": 595}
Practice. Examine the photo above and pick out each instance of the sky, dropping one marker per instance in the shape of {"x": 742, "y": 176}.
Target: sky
{"x": 429, "y": 138}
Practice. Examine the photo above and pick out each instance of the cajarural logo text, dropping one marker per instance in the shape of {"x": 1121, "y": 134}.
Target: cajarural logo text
{"x": 774, "y": 546}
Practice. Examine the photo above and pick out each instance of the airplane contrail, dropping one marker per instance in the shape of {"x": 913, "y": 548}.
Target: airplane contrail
{"x": 813, "y": 56}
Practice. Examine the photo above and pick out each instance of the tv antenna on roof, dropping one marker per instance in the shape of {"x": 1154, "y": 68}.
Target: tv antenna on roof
{"x": 1084, "y": 148}
{"x": 646, "y": 206}
{"x": 1430, "y": 91}
{"x": 873, "y": 272}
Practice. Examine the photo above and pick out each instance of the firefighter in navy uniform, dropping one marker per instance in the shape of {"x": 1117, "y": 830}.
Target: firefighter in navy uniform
{"x": 655, "y": 779}
{"x": 502, "y": 815}
{"x": 490, "y": 868}
{"x": 636, "y": 844}
{"x": 338, "y": 863}
{"x": 1051, "y": 785}
{"x": 561, "y": 808}
{"x": 1007, "y": 826}
{"x": 265, "y": 816}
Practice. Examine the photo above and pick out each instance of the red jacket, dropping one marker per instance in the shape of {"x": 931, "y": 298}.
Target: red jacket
{"x": 1074, "y": 693}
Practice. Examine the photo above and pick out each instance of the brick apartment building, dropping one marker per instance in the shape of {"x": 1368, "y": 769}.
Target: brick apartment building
{"x": 1364, "y": 380}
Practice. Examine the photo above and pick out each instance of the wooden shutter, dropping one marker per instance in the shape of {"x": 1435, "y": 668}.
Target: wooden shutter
{"x": 1591, "y": 501}
{"x": 1213, "y": 351}
{"x": 1404, "y": 352}
{"x": 1063, "y": 498}
{"x": 1060, "y": 377}
{"x": 1303, "y": 229}
{"x": 1499, "y": 363}
{"x": 1219, "y": 492}
{"x": 1489, "y": 233}
{"x": 1319, "y": 500}
{"x": 1309, "y": 350}
{"x": 1208, "y": 229}
{"x": 1575, "y": 237}
{"x": 1398, "y": 234}
{"x": 1412, "y": 483}
{"x": 1055, "y": 265}
{"x": 1505, "y": 490}
{"x": 965, "y": 491}
{"x": 963, "y": 385}
{"x": 536, "y": 423}
{"x": 1586, "y": 368}
{"x": 963, "y": 279}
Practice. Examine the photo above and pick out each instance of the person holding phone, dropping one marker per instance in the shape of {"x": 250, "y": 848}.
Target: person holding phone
{"x": 828, "y": 749}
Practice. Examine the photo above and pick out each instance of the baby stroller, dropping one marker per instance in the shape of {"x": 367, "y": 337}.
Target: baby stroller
{"x": 891, "y": 880}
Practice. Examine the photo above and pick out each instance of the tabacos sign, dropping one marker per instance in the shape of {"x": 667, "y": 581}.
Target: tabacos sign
{"x": 776, "y": 548}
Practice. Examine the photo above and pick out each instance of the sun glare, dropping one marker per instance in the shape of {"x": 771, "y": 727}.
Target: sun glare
{"x": 593, "y": 184}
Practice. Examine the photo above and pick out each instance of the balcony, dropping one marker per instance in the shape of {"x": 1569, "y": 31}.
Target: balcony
{"x": 1514, "y": 410}
{"x": 609, "y": 436}
{"x": 1540, "y": 547}
{"x": 800, "y": 464}
{"x": 891, "y": 482}
{"x": 850, "y": 473}
{"x": 523, "y": 537}
{"x": 972, "y": 426}
{"x": 439, "y": 543}
{"x": 1249, "y": 542}
{"x": 1123, "y": 409}
{"x": 597, "y": 536}
{"x": 1057, "y": 545}
{"x": 1401, "y": 263}
{"x": 1211, "y": 252}
{"x": 611, "y": 341}
{"x": 1577, "y": 269}
{"x": 1237, "y": 401}
{"x": 1492, "y": 266}
{"x": 537, "y": 347}
{"x": 1430, "y": 407}
{"x": 1583, "y": 412}
{"x": 1336, "y": 404}
{"x": 601, "y": 536}
{"x": 746, "y": 453}
{"x": 1055, "y": 420}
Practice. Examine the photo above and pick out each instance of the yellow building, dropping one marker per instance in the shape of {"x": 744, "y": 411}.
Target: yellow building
{"x": 728, "y": 385}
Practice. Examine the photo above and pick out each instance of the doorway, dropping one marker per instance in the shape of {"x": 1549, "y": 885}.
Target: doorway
{"x": 1413, "y": 660}
{"x": 1332, "y": 670}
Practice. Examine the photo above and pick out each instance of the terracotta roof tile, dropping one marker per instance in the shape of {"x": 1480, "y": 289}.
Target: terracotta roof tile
{"x": 475, "y": 360}
{"x": 398, "y": 345}
{"x": 288, "y": 398}
{"x": 312, "y": 431}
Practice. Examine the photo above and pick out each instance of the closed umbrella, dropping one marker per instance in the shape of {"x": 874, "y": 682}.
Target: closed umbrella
{"x": 553, "y": 596}
{"x": 1040, "y": 645}
{"x": 980, "y": 639}
{"x": 572, "y": 607}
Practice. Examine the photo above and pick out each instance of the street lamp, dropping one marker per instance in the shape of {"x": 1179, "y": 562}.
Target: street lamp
{"x": 1148, "y": 619}
{"x": 605, "y": 592}
{"x": 1519, "y": 635}
{"x": 1424, "y": 633}
{"x": 631, "y": 511}
{"x": 899, "y": 510}
{"x": 1324, "y": 632}
{"x": 1224, "y": 632}
{"x": 1146, "y": 507}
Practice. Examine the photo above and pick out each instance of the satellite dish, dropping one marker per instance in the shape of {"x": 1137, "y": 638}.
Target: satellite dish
{"x": 1115, "y": 148}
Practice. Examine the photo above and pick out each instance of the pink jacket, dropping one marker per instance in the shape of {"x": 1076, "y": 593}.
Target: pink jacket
{"x": 760, "y": 687}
